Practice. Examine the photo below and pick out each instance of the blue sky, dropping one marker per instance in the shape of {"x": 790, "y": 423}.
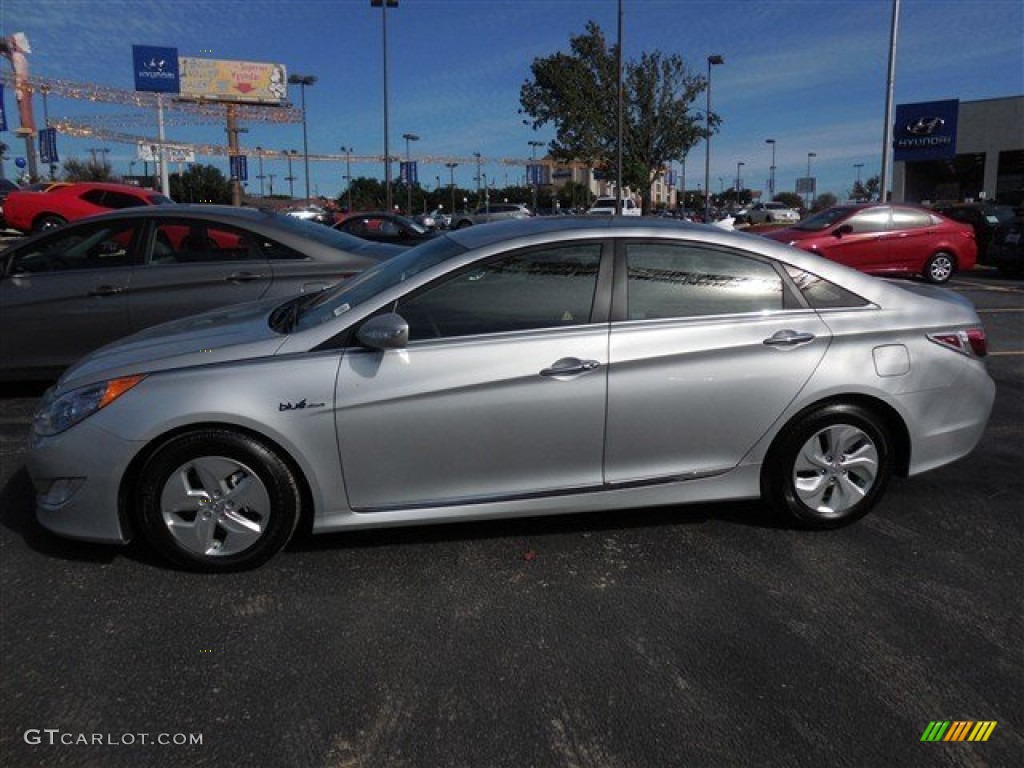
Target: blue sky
{"x": 809, "y": 73}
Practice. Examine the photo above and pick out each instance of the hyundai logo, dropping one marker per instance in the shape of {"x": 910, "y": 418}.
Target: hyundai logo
{"x": 925, "y": 126}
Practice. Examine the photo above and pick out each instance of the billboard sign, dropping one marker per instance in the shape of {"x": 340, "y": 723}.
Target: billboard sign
{"x": 245, "y": 82}
{"x": 156, "y": 69}
{"x": 150, "y": 153}
{"x": 239, "y": 167}
{"x": 925, "y": 131}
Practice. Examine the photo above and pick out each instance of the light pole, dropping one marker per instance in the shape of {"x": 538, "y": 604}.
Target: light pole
{"x": 290, "y": 178}
{"x": 408, "y": 171}
{"x": 739, "y": 180}
{"x": 713, "y": 60}
{"x": 451, "y": 170}
{"x": 477, "y": 156}
{"x": 809, "y": 185}
{"x": 384, "y": 5}
{"x": 302, "y": 81}
{"x": 348, "y": 174}
{"x": 533, "y": 158}
{"x": 771, "y": 170}
{"x": 260, "y": 175}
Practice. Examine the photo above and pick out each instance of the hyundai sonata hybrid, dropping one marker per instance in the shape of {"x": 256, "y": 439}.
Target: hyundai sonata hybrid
{"x": 525, "y": 368}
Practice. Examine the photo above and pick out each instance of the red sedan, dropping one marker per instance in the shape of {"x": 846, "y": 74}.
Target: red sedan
{"x": 38, "y": 211}
{"x": 886, "y": 240}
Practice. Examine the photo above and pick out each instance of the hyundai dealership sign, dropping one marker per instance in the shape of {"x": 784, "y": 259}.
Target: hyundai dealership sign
{"x": 925, "y": 131}
{"x": 156, "y": 69}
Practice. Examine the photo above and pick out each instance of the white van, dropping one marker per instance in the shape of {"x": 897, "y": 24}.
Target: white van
{"x": 605, "y": 206}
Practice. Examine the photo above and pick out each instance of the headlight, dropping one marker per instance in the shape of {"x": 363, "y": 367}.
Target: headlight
{"x": 57, "y": 414}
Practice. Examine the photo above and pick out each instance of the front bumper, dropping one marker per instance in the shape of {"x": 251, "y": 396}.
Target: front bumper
{"x": 77, "y": 476}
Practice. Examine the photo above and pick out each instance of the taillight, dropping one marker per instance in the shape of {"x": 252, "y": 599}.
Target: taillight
{"x": 971, "y": 342}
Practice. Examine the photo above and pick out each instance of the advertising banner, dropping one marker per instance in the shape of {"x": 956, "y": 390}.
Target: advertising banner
{"x": 150, "y": 153}
{"x": 239, "y": 167}
{"x": 3, "y": 113}
{"x": 48, "y": 146}
{"x": 408, "y": 173}
{"x": 236, "y": 81}
{"x": 156, "y": 69}
{"x": 925, "y": 131}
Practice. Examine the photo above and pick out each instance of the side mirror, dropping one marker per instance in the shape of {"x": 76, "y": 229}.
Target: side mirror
{"x": 389, "y": 331}
{"x": 843, "y": 230}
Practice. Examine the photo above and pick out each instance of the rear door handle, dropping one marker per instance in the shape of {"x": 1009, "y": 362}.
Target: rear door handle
{"x": 788, "y": 338}
{"x": 570, "y": 366}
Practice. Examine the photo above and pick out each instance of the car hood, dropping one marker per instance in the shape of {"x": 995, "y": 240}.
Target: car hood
{"x": 232, "y": 333}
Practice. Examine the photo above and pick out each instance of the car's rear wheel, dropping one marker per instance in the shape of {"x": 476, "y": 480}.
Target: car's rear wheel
{"x": 217, "y": 500}
{"x": 940, "y": 267}
{"x": 829, "y": 467}
{"x": 49, "y": 221}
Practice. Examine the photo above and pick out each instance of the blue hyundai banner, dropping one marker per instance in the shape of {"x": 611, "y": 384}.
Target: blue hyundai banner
{"x": 156, "y": 69}
{"x": 239, "y": 167}
{"x": 925, "y": 131}
{"x": 408, "y": 173}
{"x": 3, "y": 112}
{"x": 535, "y": 174}
{"x": 48, "y": 146}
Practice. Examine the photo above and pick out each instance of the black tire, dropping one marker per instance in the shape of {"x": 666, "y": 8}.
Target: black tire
{"x": 940, "y": 267}
{"x": 49, "y": 221}
{"x": 829, "y": 466}
{"x": 215, "y": 500}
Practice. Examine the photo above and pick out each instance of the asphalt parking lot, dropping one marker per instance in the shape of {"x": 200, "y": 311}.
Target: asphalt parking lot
{"x": 699, "y": 636}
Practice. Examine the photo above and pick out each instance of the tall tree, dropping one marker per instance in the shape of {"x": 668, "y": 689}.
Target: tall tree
{"x": 201, "y": 184}
{"x": 577, "y": 92}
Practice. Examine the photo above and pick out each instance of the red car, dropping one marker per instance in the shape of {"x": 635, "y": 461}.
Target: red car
{"x": 886, "y": 240}
{"x": 37, "y": 211}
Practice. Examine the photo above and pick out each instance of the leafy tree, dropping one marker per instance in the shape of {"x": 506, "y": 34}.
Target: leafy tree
{"x": 823, "y": 201}
{"x": 92, "y": 170}
{"x": 577, "y": 92}
{"x": 790, "y": 200}
{"x": 201, "y": 184}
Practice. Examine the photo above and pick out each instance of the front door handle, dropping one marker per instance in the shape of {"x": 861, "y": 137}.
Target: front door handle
{"x": 788, "y": 338}
{"x": 106, "y": 290}
{"x": 570, "y": 366}
{"x": 243, "y": 277}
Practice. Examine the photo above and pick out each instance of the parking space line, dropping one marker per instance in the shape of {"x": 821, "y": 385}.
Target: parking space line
{"x": 998, "y": 310}
{"x": 984, "y": 287}
{"x": 1009, "y": 353}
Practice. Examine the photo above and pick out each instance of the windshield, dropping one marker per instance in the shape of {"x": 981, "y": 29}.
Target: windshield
{"x": 826, "y": 218}
{"x": 387, "y": 274}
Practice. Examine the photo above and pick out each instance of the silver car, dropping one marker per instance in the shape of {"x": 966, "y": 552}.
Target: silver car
{"x": 491, "y": 212}
{"x": 540, "y": 367}
{"x": 66, "y": 292}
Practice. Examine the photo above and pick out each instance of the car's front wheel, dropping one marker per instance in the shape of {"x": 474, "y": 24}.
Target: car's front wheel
{"x": 829, "y": 467}
{"x": 217, "y": 500}
{"x": 940, "y": 267}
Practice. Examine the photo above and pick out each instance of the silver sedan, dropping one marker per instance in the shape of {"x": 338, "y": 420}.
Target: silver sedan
{"x": 539, "y": 367}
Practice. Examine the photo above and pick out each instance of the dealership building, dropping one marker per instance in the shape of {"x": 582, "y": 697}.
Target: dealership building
{"x": 959, "y": 151}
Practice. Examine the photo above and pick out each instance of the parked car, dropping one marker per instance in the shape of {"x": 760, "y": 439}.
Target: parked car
{"x": 31, "y": 211}
{"x": 435, "y": 219}
{"x": 6, "y": 187}
{"x": 535, "y": 367}
{"x": 1006, "y": 249}
{"x": 886, "y": 240}
{"x": 769, "y": 213}
{"x": 384, "y": 227}
{"x": 983, "y": 217}
{"x": 492, "y": 212}
{"x": 605, "y": 206}
{"x": 314, "y": 213}
{"x": 66, "y": 292}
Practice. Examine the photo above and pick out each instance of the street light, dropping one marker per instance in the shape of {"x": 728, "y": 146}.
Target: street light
{"x": 451, "y": 170}
{"x": 348, "y": 174}
{"x": 809, "y": 185}
{"x": 739, "y": 181}
{"x": 771, "y": 170}
{"x": 384, "y": 5}
{"x": 533, "y": 157}
{"x": 408, "y": 171}
{"x": 290, "y": 178}
{"x": 713, "y": 60}
{"x": 477, "y": 156}
{"x": 302, "y": 81}
{"x": 260, "y": 175}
